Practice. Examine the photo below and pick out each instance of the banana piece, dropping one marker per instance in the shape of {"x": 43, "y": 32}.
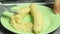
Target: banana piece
{"x": 38, "y": 18}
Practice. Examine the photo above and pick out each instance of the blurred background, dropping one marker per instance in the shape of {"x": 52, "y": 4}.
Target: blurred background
{"x": 4, "y": 1}
{"x": 50, "y": 4}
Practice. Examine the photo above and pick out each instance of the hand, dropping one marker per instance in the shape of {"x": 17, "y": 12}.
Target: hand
{"x": 56, "y": 7}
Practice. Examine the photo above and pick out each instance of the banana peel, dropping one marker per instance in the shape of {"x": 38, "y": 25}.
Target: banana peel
{"x": 18, "y": 22}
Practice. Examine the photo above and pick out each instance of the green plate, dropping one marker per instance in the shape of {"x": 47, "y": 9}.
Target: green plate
{"x": 51, "y": 20}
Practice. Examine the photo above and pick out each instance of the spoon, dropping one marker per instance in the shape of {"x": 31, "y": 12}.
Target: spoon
{"x": 3, "y": 8}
